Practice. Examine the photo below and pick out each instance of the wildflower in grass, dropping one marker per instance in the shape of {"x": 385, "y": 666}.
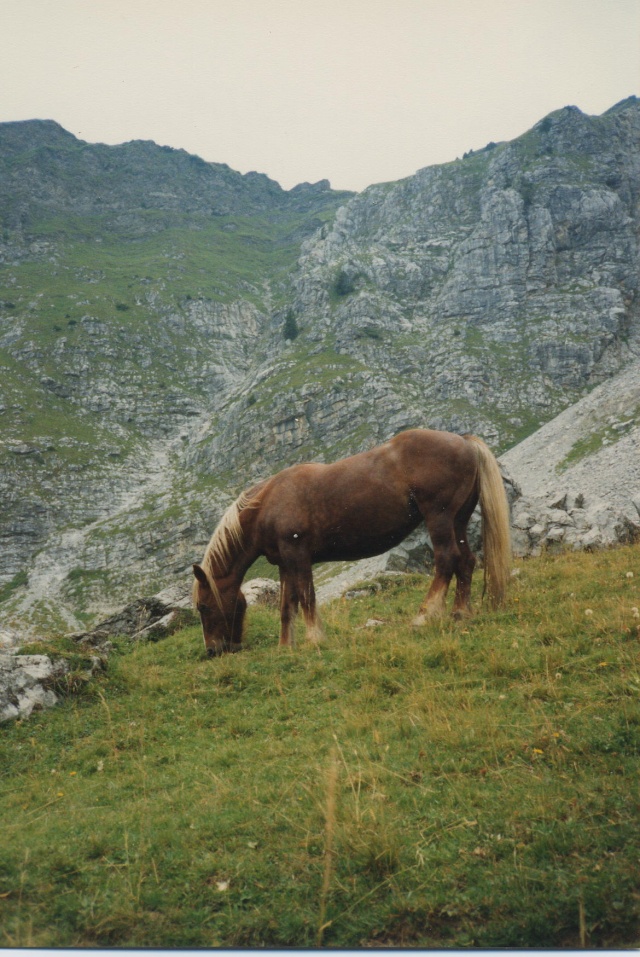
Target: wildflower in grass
{"x": 537, "y": 751}
{"x": 588, "y": 612}
{"x": 635, "y": 612}
{"x": 629, "y": 575}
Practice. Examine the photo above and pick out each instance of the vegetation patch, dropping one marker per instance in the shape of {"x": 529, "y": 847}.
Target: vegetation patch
{"x": 18, "y": 581}
{"x": 461, "y": 785}
{"x": 599, "y": 437}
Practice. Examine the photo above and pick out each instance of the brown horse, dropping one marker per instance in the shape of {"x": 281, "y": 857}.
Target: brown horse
{"x": 355, "y": 508}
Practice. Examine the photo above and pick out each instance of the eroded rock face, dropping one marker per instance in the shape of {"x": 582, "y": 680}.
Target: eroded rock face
{"x": 483, "y": 295}
{"x": 578, "y": 524}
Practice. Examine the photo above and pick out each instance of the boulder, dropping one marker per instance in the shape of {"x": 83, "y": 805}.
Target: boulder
{"x": 25, "y": 684}
{"x": 145, "y": 619}
{"x": 261, "y": 591}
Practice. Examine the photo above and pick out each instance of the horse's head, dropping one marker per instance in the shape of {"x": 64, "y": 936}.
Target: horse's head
{"x": 221, "y": 613}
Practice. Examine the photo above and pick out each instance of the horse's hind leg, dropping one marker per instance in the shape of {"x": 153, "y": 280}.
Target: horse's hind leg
{"x": 464, "y": 573}
{"x": 446, "y": 555}
{"x": 466, "y": 561}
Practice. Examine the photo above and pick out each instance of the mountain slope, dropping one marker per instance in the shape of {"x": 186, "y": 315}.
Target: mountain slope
{"x": 580, "y": 473}
{"x": 146, "y": 376}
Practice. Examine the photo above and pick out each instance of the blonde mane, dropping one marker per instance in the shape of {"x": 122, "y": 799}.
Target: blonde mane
{"x": 226, "y": 541}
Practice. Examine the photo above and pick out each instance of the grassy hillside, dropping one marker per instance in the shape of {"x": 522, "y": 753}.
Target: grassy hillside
{"x": 465, "y": 785}
{"x": 113, "y": 308}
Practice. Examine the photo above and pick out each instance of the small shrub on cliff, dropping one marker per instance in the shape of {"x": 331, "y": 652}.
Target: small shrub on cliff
{"x": 343, "y": 284}
{"x": 291, "y": 330}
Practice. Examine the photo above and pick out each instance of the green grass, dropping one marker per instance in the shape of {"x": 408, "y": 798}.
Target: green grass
{"x": 468, "y": 784}
{"x": 17, "y": 582}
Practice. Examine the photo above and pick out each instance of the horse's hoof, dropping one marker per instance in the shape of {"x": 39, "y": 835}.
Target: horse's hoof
{"x": 461, "y": 614}
{"x": 430, "y": 613}
{"x": 316, "y": 637}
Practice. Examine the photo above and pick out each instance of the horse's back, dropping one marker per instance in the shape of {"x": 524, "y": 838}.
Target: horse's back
{"x": 415, "y": 456}
{"x": 435, "y": 461}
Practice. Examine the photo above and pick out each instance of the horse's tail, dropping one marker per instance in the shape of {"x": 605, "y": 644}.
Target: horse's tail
{"x": 496, "y": 534}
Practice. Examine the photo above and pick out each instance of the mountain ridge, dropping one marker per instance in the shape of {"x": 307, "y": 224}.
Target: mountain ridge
{"x": 161, "y": 177}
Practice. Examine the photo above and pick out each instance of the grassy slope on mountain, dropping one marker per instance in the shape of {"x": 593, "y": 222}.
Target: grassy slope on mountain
{"x": 466, "y": 785}
{"x": 127, "y": 236}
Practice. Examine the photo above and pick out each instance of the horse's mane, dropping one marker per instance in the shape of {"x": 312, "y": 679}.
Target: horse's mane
{"x": 226, "y": 541}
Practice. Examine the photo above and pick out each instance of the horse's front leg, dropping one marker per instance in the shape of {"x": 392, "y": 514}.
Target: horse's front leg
{"x": 445, "y": 555}
{"x": 296, "y": 588}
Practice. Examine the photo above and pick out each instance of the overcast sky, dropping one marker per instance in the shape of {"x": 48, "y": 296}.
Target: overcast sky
{"x": 355, "y": 91}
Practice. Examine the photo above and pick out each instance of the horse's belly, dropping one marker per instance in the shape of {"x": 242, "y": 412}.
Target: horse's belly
{"x": 350, "y": 545}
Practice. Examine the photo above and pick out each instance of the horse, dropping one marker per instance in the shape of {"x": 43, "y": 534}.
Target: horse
{"x": 355, "y": 508}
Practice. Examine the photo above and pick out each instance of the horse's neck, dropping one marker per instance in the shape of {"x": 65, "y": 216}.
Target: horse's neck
{"x": 242, "y": 558}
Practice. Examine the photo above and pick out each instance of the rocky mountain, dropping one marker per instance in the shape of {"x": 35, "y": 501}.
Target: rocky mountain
{"x": 171, "y": 330}
{"x": 488, "y": 293}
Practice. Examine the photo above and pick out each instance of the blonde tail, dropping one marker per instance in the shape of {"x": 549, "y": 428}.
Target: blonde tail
{"x": 496, "y": 534}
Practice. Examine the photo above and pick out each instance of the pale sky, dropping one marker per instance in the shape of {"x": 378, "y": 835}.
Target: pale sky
{"x": 354, "y": 91}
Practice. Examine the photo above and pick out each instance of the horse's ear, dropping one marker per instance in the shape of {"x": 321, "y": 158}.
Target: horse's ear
{"x": 200, "y": 575}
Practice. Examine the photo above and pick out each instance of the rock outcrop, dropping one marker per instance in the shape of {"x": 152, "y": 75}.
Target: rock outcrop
{"x": 580, "y": 473}
{"x": 23, "y": 684}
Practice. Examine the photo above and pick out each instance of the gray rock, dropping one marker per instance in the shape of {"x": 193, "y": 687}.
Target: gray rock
{"x": 261, "y": 591}
{"x": 24, "y": 684}
{"x": 160, "y": 627}
{"x": 177, "y": 595}
{"x": 588, "y": 488}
